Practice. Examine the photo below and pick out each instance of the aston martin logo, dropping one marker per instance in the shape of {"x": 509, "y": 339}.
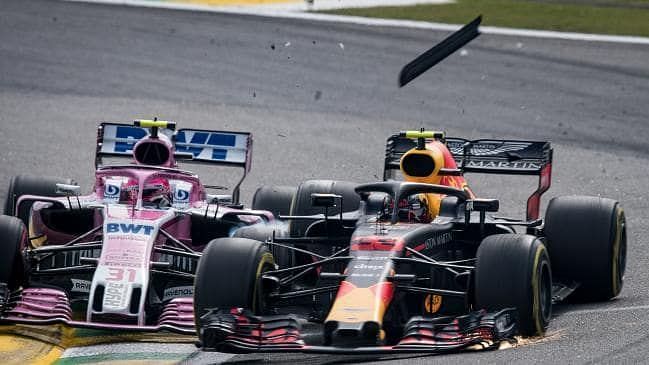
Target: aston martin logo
{"x": 488, "y": 148}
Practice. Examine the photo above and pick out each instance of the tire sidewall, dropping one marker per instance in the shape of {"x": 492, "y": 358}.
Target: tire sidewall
{"x": 514, "y": 271}
{"x": 14, "y": 240}
{"x": 229, "y": 273}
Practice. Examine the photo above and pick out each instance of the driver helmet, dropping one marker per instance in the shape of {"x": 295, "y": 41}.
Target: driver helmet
{"x": 157, "y": 192}
{"x": 128, "y": 191}
{"x": 414, "y": 209}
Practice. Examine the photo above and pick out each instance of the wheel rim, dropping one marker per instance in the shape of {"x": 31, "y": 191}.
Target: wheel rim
{"x": 545, "y": 293}
{"x": 258, "y": 296}
{"x": 619, "y": 253}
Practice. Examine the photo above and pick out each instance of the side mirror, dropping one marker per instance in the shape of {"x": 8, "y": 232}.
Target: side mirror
{"x": 483, "y": 205}
{"x": 324, "y": 200}
{"x": 183, "y": 156}
{"x": 67, "y": 189}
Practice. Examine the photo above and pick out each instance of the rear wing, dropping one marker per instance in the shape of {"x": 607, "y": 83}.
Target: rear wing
{"x": 204, "y": 146}
{"x": 489, "y": 156}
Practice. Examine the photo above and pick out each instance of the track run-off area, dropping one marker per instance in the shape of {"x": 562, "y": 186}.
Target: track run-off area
{"x": 320, "y": 99}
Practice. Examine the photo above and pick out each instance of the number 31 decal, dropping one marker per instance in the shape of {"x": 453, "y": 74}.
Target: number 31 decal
{"x": 117, "y": 274}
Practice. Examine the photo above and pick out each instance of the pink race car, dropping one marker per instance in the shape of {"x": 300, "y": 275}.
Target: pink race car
{"x": 124, "y": 256}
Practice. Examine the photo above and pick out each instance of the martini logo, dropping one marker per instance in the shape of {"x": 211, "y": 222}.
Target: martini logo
{"x": 129, "y": 228}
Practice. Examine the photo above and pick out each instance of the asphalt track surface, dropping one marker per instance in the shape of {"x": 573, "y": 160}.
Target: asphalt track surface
{"x": 321, "y": 100}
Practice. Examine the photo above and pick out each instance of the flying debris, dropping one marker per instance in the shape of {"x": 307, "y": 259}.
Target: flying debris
{"x": 439, "y": 52}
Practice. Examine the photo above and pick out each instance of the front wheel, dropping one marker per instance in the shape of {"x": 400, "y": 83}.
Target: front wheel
{"x": 513, "y": 271}
{"x": 229, "y": 276}
{"x": 30, "y": 185}
{"x": 13, "y": 238}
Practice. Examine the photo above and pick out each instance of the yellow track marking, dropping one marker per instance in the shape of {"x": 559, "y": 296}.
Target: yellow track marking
{"x": 23, "y": 350}
{"x": 26, "y": 344}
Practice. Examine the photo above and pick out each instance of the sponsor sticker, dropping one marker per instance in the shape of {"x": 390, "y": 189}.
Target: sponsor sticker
{"x": 432, "y": 303}
{"x": 181, "y": 193}
{"x": 177, "y": 291}
{"x": 144, "y": 229}
{"x": 112, "y": 190}
{"x": 438, "y": 240}
{"x": 115, "y": 295}
{"x": 80, "y": 286}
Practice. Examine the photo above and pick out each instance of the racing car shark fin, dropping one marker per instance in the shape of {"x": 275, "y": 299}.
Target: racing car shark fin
{"x": 439, "y": 52}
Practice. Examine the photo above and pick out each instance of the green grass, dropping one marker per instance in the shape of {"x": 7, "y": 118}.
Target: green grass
{"x": 622, "y": 17}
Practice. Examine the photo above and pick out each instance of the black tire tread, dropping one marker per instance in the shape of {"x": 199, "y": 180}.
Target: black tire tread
{"x": 227, "y": 274}
{"x": 30, "y": 185}
{"x": 301, "y": 204}
{"x": 14, "y": 237}
{"x": 276, "y": 199}
{"x": 504, "y": 278}
{"x": 582, "y": 238}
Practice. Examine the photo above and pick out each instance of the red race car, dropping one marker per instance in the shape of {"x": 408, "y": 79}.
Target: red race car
{"x": 420, "y": 265}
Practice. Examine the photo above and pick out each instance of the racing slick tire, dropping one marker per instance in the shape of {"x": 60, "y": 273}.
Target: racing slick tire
{"x": 13, "y": 236}
{"x": 284, "y": 257}
{"x": 30, "y": 185}
{"x": 586, "y": 238}
{"x": 302, "y": 202}
{"x": 276, "y": 199}
{"x": 513, "y": 271}
{"x": 228, "y": 275}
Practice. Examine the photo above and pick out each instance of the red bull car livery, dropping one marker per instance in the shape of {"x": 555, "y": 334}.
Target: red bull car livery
{"x": 414, "y": 263}
{"x": 125, "y": 255}
{"x": 421, "y": 265}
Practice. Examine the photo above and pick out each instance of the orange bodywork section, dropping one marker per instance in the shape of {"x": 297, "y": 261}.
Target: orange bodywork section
{"x": 443, "y": 159}
{"x": 354, "y": 305}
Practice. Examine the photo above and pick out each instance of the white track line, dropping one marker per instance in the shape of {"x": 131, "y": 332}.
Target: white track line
{"x": 607, "y": 310}
{"x": 277, "y": 12}
{"x": 130, "y": 348}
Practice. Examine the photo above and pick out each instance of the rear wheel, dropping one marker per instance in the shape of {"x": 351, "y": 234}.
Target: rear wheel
{"x": 302, "y": 203}
{"x": 513, "y": 271}
{"x": 276, "y": 199}
{"x": 587, "y": 243}
{"x": 13, "y": 238}
{"x": 229, "y": 275}
{"x": 30, "y": 185}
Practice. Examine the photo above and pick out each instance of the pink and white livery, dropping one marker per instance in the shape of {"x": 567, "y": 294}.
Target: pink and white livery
{"x": 124, "y": 256}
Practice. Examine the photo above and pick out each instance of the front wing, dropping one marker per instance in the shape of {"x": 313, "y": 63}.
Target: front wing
{"x": 239, "y": 331}
{"x": 44, "y": 306}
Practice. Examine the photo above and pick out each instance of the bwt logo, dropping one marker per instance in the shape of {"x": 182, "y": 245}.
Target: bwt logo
{"x": 128, "y": 132}
{"x": 186, "y": 141}
{"x": 128, "y": 228}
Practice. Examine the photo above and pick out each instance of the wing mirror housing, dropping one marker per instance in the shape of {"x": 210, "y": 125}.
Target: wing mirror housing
{"x": 68, "y": 189}
{"x": 483, "y": 205}
{"x": 324, "y": 200}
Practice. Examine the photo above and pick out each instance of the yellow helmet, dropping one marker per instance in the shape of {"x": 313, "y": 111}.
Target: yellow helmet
{"x": 422, "y": 165}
